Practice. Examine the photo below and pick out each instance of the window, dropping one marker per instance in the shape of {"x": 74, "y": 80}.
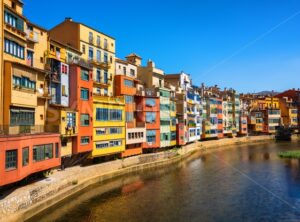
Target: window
{"x": 83, "y": 49}
{"x": 98, "y": 75}
{"x": 101, "y": 131}
{"x": 91, "y": 37}
{"x": 85, "y": 75}
{"x": 71, "y": 119}
{"x": 115, "y": 115}
{"x": 84, "y": 140}
{"x": 105, "y": 92}
{"x": 173, "y": 135}
{"x": 105, "y": 43}
{"x": 56, "y": 150}
{"x": 132, "y": 72}
{"x": 150, "y": 117}
{"x": 114, "y": 143}
{"x": 108, "y": 114}
{"x": 150, "y": 102}
{"x": 21, "y": 116}
{"x": 151, "y": 136}
{"x": 105, "y": 57}
{"x": 29, "y": 58}
{"x": 25, "y": 156}
{"x": 124, "y": 70}
{"x": 115, "y": 130}
{"x": 128, "y": 99}
{"x": 14, "y": 49}
{"x": 129, "y": 116}
{"x": 98, "y": 40}
{"x": 128, "y": 83}
{"x": 98, "y": 56}
{"x": 23, "y": 82}
{"x": 13, "y": 20}
{"x": 11, "y": 159}
{"x": 84, "y": 94}
{"x": 91, "y": 53}
{"x": 165, "y": 107}
{"x": 63, "y": 90}
{"x": 174, "y": 121}
{"x": 84, "y": 119}
{"x": 102, "y": 145}
{"x": 101, "y": 114}
{"x": 164, "y": 122}
{"x": 105, "y": 77}
{"x": 42, "y": 152}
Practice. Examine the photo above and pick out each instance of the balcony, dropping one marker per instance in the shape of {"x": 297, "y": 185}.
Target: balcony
{"x": 109, "y": 99}
{"x": 43, "y": 93}
{"x": 55, "y": 55}
{"x": 20, "y": 130}
{"x": 103, "y": 65}
{"x": 55, "y": 77}
{"x": 101, "y": 82}
{"x": 32, "y": 36}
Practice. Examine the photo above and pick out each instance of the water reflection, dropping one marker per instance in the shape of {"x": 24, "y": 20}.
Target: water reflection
{"x": 247, "y": 183}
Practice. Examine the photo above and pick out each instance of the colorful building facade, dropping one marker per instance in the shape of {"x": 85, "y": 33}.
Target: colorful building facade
{"x": 126, "y": 84}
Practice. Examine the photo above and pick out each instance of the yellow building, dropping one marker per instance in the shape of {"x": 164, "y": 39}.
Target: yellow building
{"x": 109, "y": 125}
{"x": 271, "y": 103}
{"x": 24, "y": 75}
{"x": 99, "y": 50}
{"x": 95, "y": 46}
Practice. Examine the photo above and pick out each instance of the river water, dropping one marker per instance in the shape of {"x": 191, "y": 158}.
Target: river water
{"x": 245, "y": 183}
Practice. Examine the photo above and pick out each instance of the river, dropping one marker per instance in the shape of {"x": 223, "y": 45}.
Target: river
{"x": 245, "y": 183}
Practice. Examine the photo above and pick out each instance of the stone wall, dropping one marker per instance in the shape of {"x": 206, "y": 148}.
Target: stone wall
{"x": 27, "y": 201}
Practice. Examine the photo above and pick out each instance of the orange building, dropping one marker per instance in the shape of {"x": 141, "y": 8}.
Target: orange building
{"x": 27, "y": 154}
{"x": 148, "y": 112}
{"x": 180, "y": 134}
{"x": 81, "y": 99}
{"x": 220, "y": 118}
{"x": 26, "y": 146}
{"x": 243, "y": 130}
{"x": 126, "y": 84}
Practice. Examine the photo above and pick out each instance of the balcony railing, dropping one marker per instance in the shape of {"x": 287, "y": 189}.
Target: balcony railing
{"x": 32, "y": 36}
{"x": 97, "y": 62}
{"x": 19, "y": 130}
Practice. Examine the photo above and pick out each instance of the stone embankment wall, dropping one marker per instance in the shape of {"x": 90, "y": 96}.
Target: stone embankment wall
{"x": 32, "y": 199}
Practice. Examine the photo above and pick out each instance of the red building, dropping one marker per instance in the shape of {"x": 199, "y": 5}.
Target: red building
{"x": 148, "y": 112}
{"x": 220, "y": 118}
{"x": 243, "y": 130}
{"x": 81, "y": 99}
{"x": 23, "y": 155}
{"x": 180, "y": 134}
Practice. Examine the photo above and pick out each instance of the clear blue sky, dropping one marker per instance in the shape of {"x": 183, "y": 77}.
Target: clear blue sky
{"x": 245, "y": 44}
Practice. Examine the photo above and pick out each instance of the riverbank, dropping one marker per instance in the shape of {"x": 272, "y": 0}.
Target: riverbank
{"x": 32, "y": 199}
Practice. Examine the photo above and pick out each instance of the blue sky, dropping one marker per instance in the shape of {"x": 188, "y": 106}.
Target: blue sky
{"x": 250, "y": 45}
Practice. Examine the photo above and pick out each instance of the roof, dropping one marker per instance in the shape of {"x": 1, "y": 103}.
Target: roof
{"x": 65, "y": 45}
{"x": 133, "y": 55}
{"x": 37, "y": 26}
{"x": 172, "y": 76}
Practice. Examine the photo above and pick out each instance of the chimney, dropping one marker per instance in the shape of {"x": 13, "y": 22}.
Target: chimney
{"x": 68, "y": 19}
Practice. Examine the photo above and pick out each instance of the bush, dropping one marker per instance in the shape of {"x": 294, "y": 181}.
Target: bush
{"x": 294, "y": 154}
